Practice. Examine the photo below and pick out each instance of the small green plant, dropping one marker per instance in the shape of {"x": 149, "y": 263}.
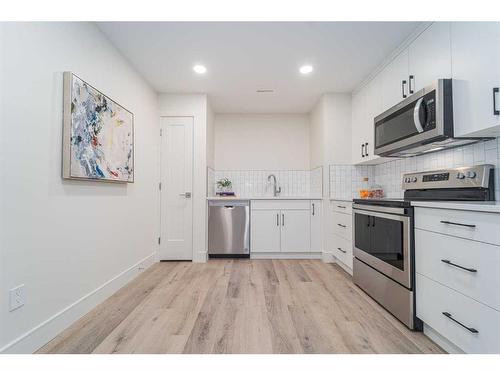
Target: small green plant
{"x": 224, "y": 183}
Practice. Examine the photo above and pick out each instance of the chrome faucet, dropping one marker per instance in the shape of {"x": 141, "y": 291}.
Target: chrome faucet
{"x": 276, "y": 189}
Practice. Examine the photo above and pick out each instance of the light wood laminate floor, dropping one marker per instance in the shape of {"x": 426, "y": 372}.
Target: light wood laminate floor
{"x": 240, "y": 306}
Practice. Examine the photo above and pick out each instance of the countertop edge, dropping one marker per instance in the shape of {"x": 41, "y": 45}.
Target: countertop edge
{"x": 493, "y": 207}
{"x": 263, "y": 198}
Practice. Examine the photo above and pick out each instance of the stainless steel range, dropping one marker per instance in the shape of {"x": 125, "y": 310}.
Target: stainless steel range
{"x": 383, "y": 234}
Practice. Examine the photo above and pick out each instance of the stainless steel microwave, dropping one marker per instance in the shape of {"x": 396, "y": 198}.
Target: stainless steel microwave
{"x": 421, "y": 123}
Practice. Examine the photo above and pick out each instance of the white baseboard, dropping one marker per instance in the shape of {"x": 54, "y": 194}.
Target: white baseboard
{"x": 330, "y": 258}
{"x": 200, "y": 257}
{"x": 442, "y": 341}
{"x": 41, "y": 334}
{"x": 285, "y": 255}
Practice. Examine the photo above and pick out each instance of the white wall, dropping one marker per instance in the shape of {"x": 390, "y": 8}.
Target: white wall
{"x": 65, "y": 239}
{"x": 262, "y": 141}
{"x": 196, "y": 106}
{"x": 210, "y": 136}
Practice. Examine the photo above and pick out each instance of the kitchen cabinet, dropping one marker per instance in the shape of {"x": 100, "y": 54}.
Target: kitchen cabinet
{"x": 395, "y": 81}
{"x": 429, "y": 56}
{"x": 366, "y": 105}
{"x": 340, "y": 234}
{"x": 295, "y": 231}
{"x": 475, "y": 52}
{"x": 265, "y": 230}
{"x": 316, "y": 226}
{"x": 282, "y": 227}
{"x": 457, "y": 257}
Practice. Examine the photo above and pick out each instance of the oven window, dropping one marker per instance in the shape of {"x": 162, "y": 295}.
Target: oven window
{"x": 398, "y": 126}
{"x": 362, "y": 232}
{"x": 386, "y": 241}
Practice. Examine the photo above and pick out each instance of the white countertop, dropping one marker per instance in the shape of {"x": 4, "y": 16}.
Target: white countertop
{"x": 341, "y": 200}
{"x": 261, "y": 198}
{"x": 467, "y": 206}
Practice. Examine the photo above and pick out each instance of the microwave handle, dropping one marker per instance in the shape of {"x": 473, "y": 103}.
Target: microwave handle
{"x": 416, "y": 117}
{"x": 403, "y": 83}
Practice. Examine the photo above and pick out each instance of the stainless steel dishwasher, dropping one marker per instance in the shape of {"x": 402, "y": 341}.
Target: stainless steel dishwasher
{"x": 229, "y": 229}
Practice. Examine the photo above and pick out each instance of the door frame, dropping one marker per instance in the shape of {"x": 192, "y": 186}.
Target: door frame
{"x": 160, "y": 188}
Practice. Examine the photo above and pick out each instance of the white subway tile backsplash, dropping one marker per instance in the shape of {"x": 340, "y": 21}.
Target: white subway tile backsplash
{"x": 253, "y": 183}
{"x": 347, "y": 180}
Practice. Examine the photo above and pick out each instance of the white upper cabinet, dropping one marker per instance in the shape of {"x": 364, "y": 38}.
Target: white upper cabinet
{"x": 395, "y": 81}
{"x": 366, "y": 105}
{"x": 475, "y": 50}
{"x": 430, "y": 56}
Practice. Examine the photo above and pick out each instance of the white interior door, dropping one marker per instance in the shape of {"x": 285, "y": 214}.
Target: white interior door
{"x": 176, "y": 188}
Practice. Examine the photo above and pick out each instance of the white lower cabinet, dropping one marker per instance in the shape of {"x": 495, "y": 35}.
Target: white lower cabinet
{"x": 316, "y": 226}
{"x": 284, "y": 227}
{"x": 265, "y": 231}
{"x": 457, "y": 277}
{"x": 295, "y": 231}
{"x": 466, "y": 323}
{"x": 340, "y": 233}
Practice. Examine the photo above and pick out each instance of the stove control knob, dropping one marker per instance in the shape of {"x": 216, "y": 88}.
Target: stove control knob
{"x": 407, "y": 179}
{"x": 414, "y": 179}
{"x": 471, "y": 174}
{"x": 460, "y": 176}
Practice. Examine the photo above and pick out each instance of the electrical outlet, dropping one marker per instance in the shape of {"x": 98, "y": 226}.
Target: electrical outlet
{"x": 16, "y": 297}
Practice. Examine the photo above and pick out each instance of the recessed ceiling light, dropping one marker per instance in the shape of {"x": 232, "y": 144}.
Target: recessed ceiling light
{"x": 306, "y": 69}
{"x": 200, "y": 69}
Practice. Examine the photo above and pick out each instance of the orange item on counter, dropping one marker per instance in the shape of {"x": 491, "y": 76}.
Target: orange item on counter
{"x": 363, "y": 194}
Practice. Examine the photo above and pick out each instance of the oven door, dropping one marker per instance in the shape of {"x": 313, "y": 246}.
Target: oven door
{"x": 382, "y": 240}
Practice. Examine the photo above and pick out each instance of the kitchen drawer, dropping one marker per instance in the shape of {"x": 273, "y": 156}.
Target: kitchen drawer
{"x": 341, "y": 206}
{"x": 433, "y": 299}
{"x": 431, "y": 248}
{"x": 484, "y": 225}
{"x": 342, "y": 249}
{"x": 341, "y": 225}
{"x": 278, "y": 204}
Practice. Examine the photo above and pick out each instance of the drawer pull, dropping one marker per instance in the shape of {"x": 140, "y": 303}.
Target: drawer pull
{"x": 341, "y": 207}
{"x": 338, "y": 248}
{"x": 341, "y": 225}
{"x": 458, "y": 266}
{"x": 449, "y": 316}
{"x": 459, "y": 224}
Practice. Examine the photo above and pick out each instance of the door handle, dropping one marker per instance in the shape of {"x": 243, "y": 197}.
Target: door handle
{"x": 473, "y": 270}
{"x": 459, "y": 224}
{"x": 449, "y": 316}
{"x": 411, "y": 78}
{"x": 187, "y": 194}
{"x": 339, "y": 248}
{"x": 496, "y": 112}
{"x": 403, "y": 83}
{"x": 366, "y": 149}
{"x": 277, "y": 220}
{"x": 313, "y": 209}
{"x": 362, "y": 150}
{"x": 341, "y": 225}
{"x": 283, "y": 219}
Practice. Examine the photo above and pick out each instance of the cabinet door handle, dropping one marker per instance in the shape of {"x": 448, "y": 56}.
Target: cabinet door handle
{"x": 283, "y": 219}
{"x": 341, "y": 207}
{"x": 459, "y": 224}
{"x": 458, "y": 266}
{"x": 277, "y": 220}
{"x": 366, "y": 149}
{"x": 338, "y": 248}
{"x": 470, "y": 329}
{"x": 411, "y": 78}
{"x": 363, "y": 150}
{"x": 403, "y": 93}
{"x": 341, "y": 225}
{"x": 313, "y": 213}
{"x": 496, "y": 112}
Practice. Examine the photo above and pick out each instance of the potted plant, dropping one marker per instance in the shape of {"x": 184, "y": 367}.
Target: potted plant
{"x": 224, "y": 185}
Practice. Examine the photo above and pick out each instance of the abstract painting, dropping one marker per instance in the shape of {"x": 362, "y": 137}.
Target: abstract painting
{"x": 98, "y": 135}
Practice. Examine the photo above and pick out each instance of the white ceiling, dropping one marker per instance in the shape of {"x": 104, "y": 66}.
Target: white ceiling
{"x": 242, "y": 57}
